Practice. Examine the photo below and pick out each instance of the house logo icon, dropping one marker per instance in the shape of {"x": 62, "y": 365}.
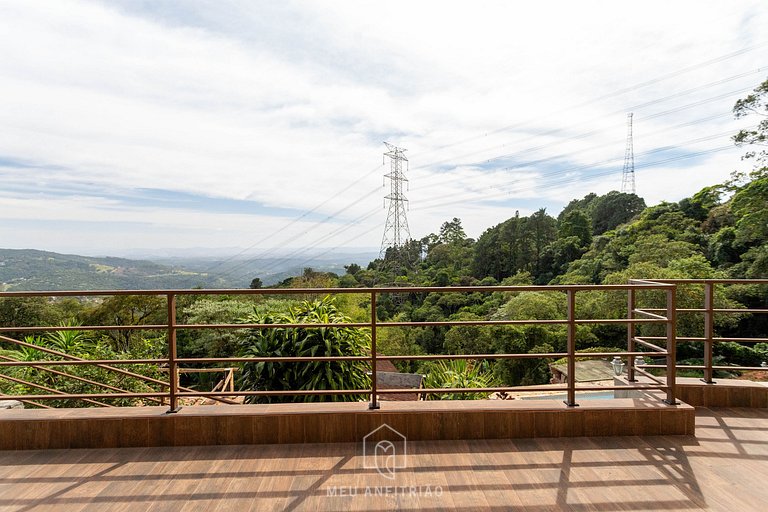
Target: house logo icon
{"x": 385, "y": 450}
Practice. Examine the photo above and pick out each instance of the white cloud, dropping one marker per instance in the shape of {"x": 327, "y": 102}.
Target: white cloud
{"x": 286, "y": 104}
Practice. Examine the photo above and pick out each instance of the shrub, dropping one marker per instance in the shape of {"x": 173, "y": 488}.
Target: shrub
{"x": 304, "y": 342}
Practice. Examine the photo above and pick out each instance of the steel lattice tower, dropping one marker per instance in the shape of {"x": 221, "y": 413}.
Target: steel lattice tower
{"x": 628, "y": 174}
{"x": 396, "y": 230}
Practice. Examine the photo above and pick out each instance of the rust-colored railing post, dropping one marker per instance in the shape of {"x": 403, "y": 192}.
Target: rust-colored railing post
{"x": 374, "y": 404}
{"x": 173, "y": 375}
{"x": 631, "y": 303}
{"x": 671, "y": 345}
{"x": 571, "y": 304}
{"x": 709, "y": 330}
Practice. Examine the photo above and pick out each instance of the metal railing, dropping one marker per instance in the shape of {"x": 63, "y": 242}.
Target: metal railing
{"x": 709, "y": 313}
{"x": 171, "y": 392}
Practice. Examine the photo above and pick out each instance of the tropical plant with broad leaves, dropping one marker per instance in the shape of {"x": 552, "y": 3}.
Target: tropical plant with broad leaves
{"x": 304, "y": 342}
{"x": 458, "y": 373}
{"x": 73, "y": 342}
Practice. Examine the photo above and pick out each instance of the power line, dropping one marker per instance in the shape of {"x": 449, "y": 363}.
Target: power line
{"x": 609, "y": 161}
{"x": 550, "y": 185}
{"x": 612, "y": 94}
{"x": 577, "y": 179}
{"x": 294, "y": 221}
{"x": 505, "y": 192}
{"x": 272, "y": 250}
{"x": 592, "y": 132}
{"x": 528, "y": 163}
{"x": 602, "y": 97}
{"x": 304, "y": 249}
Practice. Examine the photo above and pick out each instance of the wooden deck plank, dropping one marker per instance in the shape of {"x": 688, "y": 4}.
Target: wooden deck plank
{"x": 723, "y": 469}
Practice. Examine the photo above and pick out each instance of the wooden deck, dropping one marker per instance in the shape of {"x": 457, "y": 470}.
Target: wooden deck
{"x": 722, "y": 468}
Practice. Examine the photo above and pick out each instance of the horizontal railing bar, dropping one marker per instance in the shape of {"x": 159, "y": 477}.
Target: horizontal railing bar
{"x": 620, "y": 321}
{"x": 298, "y": 392}
{"x": 716, "y": 310}
{"x": 610, "y": 354}
{"x": 748, "y": 368}
{"x": 738, "y": 310}
{"x": 436, "y": 357}
{"x": 679, "y": 310}
{"x": 156, "y": 327}
{"x": 620, "y": 388}
{"x": 210, "y": 370}
{"x": 287, "y": 359}
{"x": 521, "y": 389}
{"x": 336, "y": 325}
{"x": 702, "y": 367}
{"x": 743, "y": 340}
{"x": 469, "y": 322}
{"x": 550, "y": 355}
{"x": 678, "y": 338}
{"x": 85, "y": 396}
{"x": 69, "y": 362}
{"x": 739, "y": 340}
{"x": 664, "y": 366}
{"x": 420, "y": 357}
{"x": 700, "y": 281}
{"x": 50, "y": 328}
{"x": 327, "y": 325}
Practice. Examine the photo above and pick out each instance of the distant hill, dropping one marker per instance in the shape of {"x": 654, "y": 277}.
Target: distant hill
{"x": 28, "y": 269}
{"x": 271, "y": 270}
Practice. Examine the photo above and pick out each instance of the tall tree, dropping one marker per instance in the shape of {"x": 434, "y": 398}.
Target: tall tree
{"x": 614, "y": 208}
{"x": 754, "y": 104}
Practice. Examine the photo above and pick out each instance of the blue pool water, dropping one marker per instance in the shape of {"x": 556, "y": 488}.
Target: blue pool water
{"x": 599, "y": 395}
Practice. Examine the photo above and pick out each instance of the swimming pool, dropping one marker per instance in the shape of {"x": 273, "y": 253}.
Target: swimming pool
{"x": 599, "y": 395}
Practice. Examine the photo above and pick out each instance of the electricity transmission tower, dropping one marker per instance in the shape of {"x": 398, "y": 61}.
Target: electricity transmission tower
{"x": 396, "y": 228}
{"x": 628, "y": 174}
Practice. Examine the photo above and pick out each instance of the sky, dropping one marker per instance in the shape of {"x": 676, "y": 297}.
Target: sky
{"x": 256, "y": 128}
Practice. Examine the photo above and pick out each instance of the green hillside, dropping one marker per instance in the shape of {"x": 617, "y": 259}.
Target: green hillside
{"x": 40, "y": 270}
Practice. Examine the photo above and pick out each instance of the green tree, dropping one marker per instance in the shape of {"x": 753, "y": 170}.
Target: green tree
{"x": 575, "y": 223}
{"x": 215, "y": 310}
{"x": 754, "y": 104}
{"x": 517, "y": 244}
{"x": 584, "y": 204}
{"x": 749, "y": 207}
{"x": 27, "y": 312}
{"x": 352, "y": 269}
{"x": 613, "y": 209}
{"x": 128, "y": 310}
{"x": 452, "y": 232}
